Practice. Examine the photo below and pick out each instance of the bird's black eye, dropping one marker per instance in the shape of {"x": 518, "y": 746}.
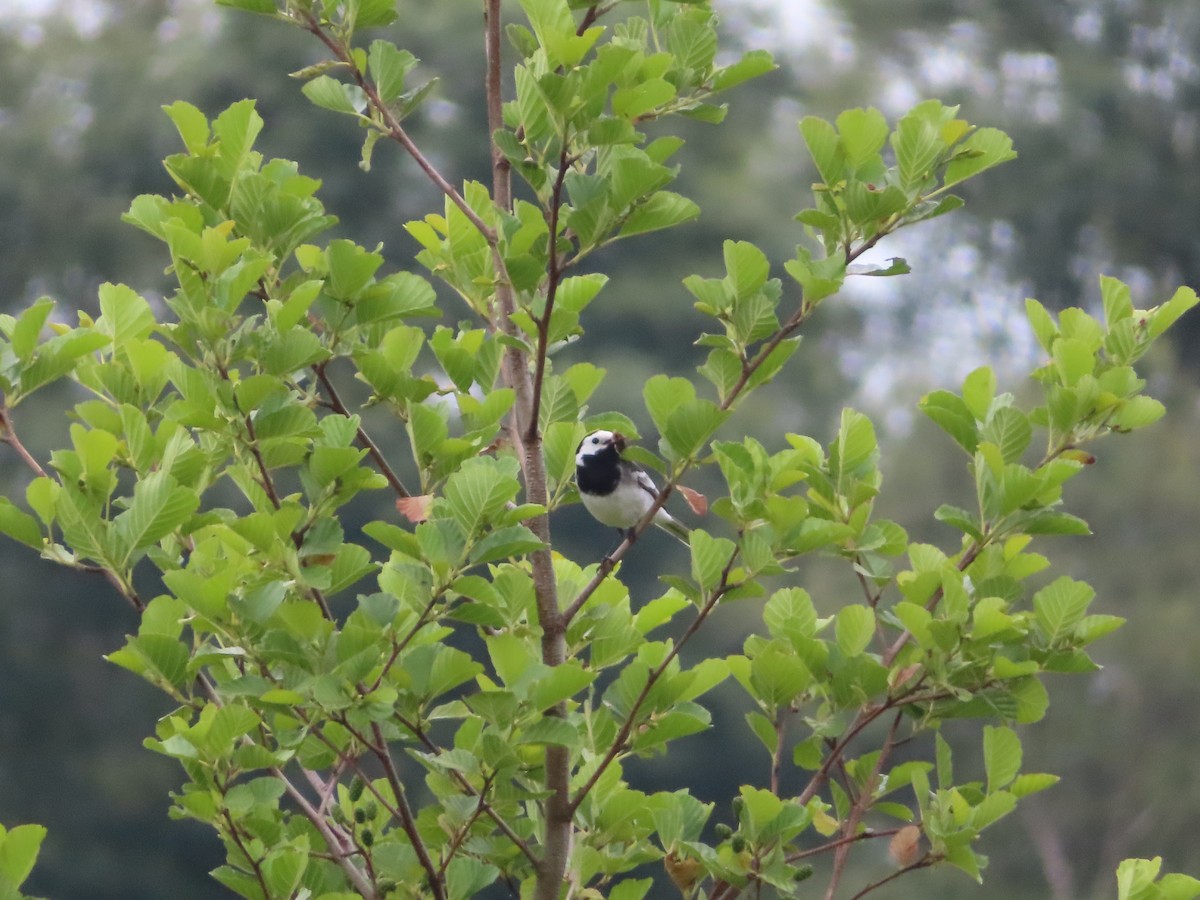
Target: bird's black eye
{"x": 595, "y": 440}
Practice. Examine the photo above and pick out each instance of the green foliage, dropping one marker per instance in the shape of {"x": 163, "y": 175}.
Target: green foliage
{"x": 331, "y": 727}
{"x": 19, "y": 849}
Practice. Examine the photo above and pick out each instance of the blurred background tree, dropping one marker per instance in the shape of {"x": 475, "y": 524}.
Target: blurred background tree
{"x": 1102, "y": 98}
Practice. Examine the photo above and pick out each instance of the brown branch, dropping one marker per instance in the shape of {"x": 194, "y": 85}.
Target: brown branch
{"x": 341, "y": 847}
{"x": 777, "y": 755}
{"x": 841, "y": 842}
{"x": 859, "y": 807}
{"x": 617, "y": 746}
{"x": 527, "y": 440}
{"x": 407, "y": 820}
{"x": 255, "y": 864}
{"x": 594, "y": 12}
{"x": 381, "y": 463}
{"x": 923, "y": 863}
{"x": 865, "y": 717}
{"x": 471, "y": 790}
{"x": 8, "y": 435}
{"x": 393, "y": 127}
{"x": 553, "y": 279}
{"x": 464, "y": 831}
{"x": 905, "y": 636}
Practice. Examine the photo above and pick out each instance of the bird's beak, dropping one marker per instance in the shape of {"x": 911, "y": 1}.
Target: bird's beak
{"x": 619, "y": 441}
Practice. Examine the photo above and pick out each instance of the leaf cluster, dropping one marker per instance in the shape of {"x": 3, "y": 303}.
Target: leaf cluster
{"x": 434, "y": 702}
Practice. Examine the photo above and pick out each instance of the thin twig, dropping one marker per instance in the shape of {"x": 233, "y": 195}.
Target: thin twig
{"x": 859, "y": 806}
{"x": 833, "y": 845}
{"x": 339, "y": 845}
{"x": 617, "y": 745}
{"x": 255, "y": 864}
{"x": 923, "y": 863}
{"x": 364, "y": 439}
{"x": 394, "y": 129}
{"x": 527, "y": 440}
{"x": 407, "y": 820}
{"x": 8, "y": 435}
{"x": 553, "y": 278}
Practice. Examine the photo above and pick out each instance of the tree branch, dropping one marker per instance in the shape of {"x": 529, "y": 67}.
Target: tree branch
{"x": 923, "y": 863}
{"x": 859, "y": 808}
{"x": 393, "y": 127}
{"x": 339, "y": 846}
{"x": 527, "y": 440}
{"x": 617, "y": 746}
{"x": 380, "y": 748}
{"x": 553, "y": 278}
{"x": 381, "y": 463}
{"x": 8, "y": 435}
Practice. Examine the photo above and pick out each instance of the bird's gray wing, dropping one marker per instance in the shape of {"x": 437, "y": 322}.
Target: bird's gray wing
{"x": 645, "y": 482}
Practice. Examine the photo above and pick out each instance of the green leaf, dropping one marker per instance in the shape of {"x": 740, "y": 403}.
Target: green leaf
{"x": 480, "y": 489}
{"x": 960, "y": 519}
{"x": 691, "y": 426}
{"x": 1009, "y": 429}
{"x": 819, "y": 278}
{"x": 1046, "y": 521}
{"x": 825, "y": 148}
{"x": 29, "y": 326}
{"x": 1061, "y": 605}
{"x": 262, "y": 7}
{"x": 331, "y": 94}
{"x": 943, "y": 757}
{"x": 640, "y": 99}
{"x": 664, "y": 395}
{"x": 863, "y": 133}
{"x": 1025, "y": 785}
{"x": 284, "y": 867}
{"x": 993, "y": 807}
{"x": 1165, "y": 315}
{"x": 751, "y": 65}
{"x": 663, "y": 209}
{"x": 1073, "y": 359}
{"x": 291, "y": 351}
{"x": 467, "y": 877}
{"x": 124, "y": 313}
{"x": 1137, "y": 412}
{"x": 19, "y": 849}
{"x": 953, "y": 416}
{"x": 918, "y": 147}
{"x": 855, "y": 445}
{"x": 1001, "y": 756}
{"x": 505, "y": 543}
{"x": 710, "y": 555}
{"x": 388, "y": 66}
{"x": 855, "y": 627}
{"x": 19, "y": 525}
{"x": 983, "y": 149}
{"x": 979, "y": 389}
{"x": 560, "y": 683}
{"x": 747, "y": 267}
{"x": 159, "y": 658}
{"x": 1135, "y": 879}
{"x": 160, "y": 505}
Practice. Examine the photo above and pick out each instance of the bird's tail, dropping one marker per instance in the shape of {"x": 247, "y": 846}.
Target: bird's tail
{"x": 671, "y": 525}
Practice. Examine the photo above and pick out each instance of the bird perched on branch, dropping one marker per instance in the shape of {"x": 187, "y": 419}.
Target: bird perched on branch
{"x": 616, "y": 491}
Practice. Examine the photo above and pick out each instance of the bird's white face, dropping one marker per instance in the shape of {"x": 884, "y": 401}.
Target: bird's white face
{"x": 594, "y": 443}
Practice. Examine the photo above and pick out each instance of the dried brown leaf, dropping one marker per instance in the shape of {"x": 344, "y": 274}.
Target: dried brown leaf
{"x": 415, "y": 509}
{"x": 696, "y": 500}
{"x": 905, "y": 846}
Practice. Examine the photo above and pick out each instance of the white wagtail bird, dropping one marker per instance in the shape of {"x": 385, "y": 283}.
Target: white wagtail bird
{"x": 615, "y": 491}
